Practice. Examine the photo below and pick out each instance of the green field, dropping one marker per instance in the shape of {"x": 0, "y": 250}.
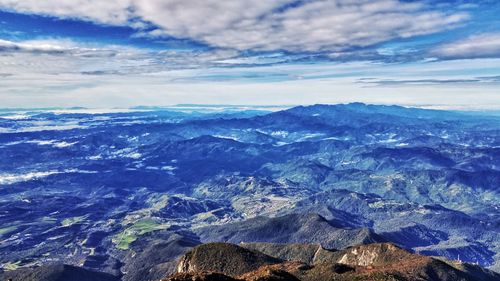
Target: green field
{"x": 71, "y": 221}
{"x": 11, "y": 265}
{"x": 123, "y": 239}
{"x": 8, "y": 229}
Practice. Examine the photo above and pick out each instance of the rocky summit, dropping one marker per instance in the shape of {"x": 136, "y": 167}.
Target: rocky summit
{"x": 382, "y": 261}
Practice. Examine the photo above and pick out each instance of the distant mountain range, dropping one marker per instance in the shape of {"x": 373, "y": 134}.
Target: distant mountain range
{"x": 128, "y": 193}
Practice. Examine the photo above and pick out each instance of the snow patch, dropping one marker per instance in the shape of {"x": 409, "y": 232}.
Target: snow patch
{"x": 310, "y": 136}
{"x": 7, "y": 178}
{"x": 282, "y": 134}
{"x": 16, "y": 117}
{"x": 134, "y": 155}
{"x": 226, "y": 137}
{"x": 53, "y": 143}
{"x": 14, "y": 178}
{"x": 95, "y": 157}
{"x": 168, "y": 168}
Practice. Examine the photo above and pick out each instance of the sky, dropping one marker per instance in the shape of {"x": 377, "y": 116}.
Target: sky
{"x": 124, "y": 53}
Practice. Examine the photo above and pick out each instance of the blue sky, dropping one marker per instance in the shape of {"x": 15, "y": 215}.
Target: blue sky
{"x": 442, "y": 54}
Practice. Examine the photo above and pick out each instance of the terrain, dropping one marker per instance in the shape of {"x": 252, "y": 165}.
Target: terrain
{"x": 313, "y": 262}
{"x": 128, "y": 193}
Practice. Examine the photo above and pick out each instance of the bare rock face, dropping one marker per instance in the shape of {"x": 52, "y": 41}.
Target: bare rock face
{"x": 379, "y": 254}
{"x": 185, "y": 265}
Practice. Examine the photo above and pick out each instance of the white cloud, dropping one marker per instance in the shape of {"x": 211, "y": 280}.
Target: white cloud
{"x": 64, "y": 56}
{"x": 319, "y": 83}
{"x": 311, "y": 26}
{"x": 477, "y": 46}
{"x": 260, "y": 25}
{"x": 108, "y": 12}
{"x": 14, "y": 178}
{"x": 55, "y": 47}
{"x": 6, "y": 178}
{"x": 55, "y": 57}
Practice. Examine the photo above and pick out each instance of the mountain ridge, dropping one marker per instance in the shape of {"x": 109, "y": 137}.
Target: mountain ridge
{"x": 366, "y": 262}
{"x": 104, "y": 190}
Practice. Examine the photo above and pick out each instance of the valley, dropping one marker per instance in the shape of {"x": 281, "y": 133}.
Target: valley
{"x": 129, "y": 193}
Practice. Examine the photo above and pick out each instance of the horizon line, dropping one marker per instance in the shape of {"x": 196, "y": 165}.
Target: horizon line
{"x": 243, "y": 107}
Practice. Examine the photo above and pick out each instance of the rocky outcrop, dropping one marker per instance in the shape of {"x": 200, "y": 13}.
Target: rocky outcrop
{"x": 310, "y": 262}
{"x": 225, "y": 258}
{"x": 379, "y": 254}
{"x": 156, "y": 258}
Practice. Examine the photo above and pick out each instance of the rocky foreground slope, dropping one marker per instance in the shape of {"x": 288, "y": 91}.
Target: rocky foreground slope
{"x": 267, "y": 261}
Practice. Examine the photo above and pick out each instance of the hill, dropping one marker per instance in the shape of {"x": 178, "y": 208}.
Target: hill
{"x": 366, "y": 262}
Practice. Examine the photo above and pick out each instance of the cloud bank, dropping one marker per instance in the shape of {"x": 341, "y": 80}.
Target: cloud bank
{"x": 314, "y": 25}
{"x": 108, "y": 12}
{"x": 477, "y": 46}
{"x": 247, "y": 52}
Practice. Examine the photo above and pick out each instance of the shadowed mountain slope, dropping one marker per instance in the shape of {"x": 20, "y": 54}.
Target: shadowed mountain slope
{"x": 293, "y": 228}
{"x": 56, "y": 273}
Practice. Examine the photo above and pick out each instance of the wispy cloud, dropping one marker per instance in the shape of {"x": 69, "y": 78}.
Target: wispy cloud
{"x": 108, "y": 12}
{"x": 476, "y": 46}
{"x": 428, "y": 81}
{"x": 64, "y": 81}
{"x": 53, "y": 47}
{"x": 53, "y": 57}
{"x": 57, "y": 56}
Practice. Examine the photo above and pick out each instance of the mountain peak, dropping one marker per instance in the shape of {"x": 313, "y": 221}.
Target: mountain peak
{"x": 226, "y": 258}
